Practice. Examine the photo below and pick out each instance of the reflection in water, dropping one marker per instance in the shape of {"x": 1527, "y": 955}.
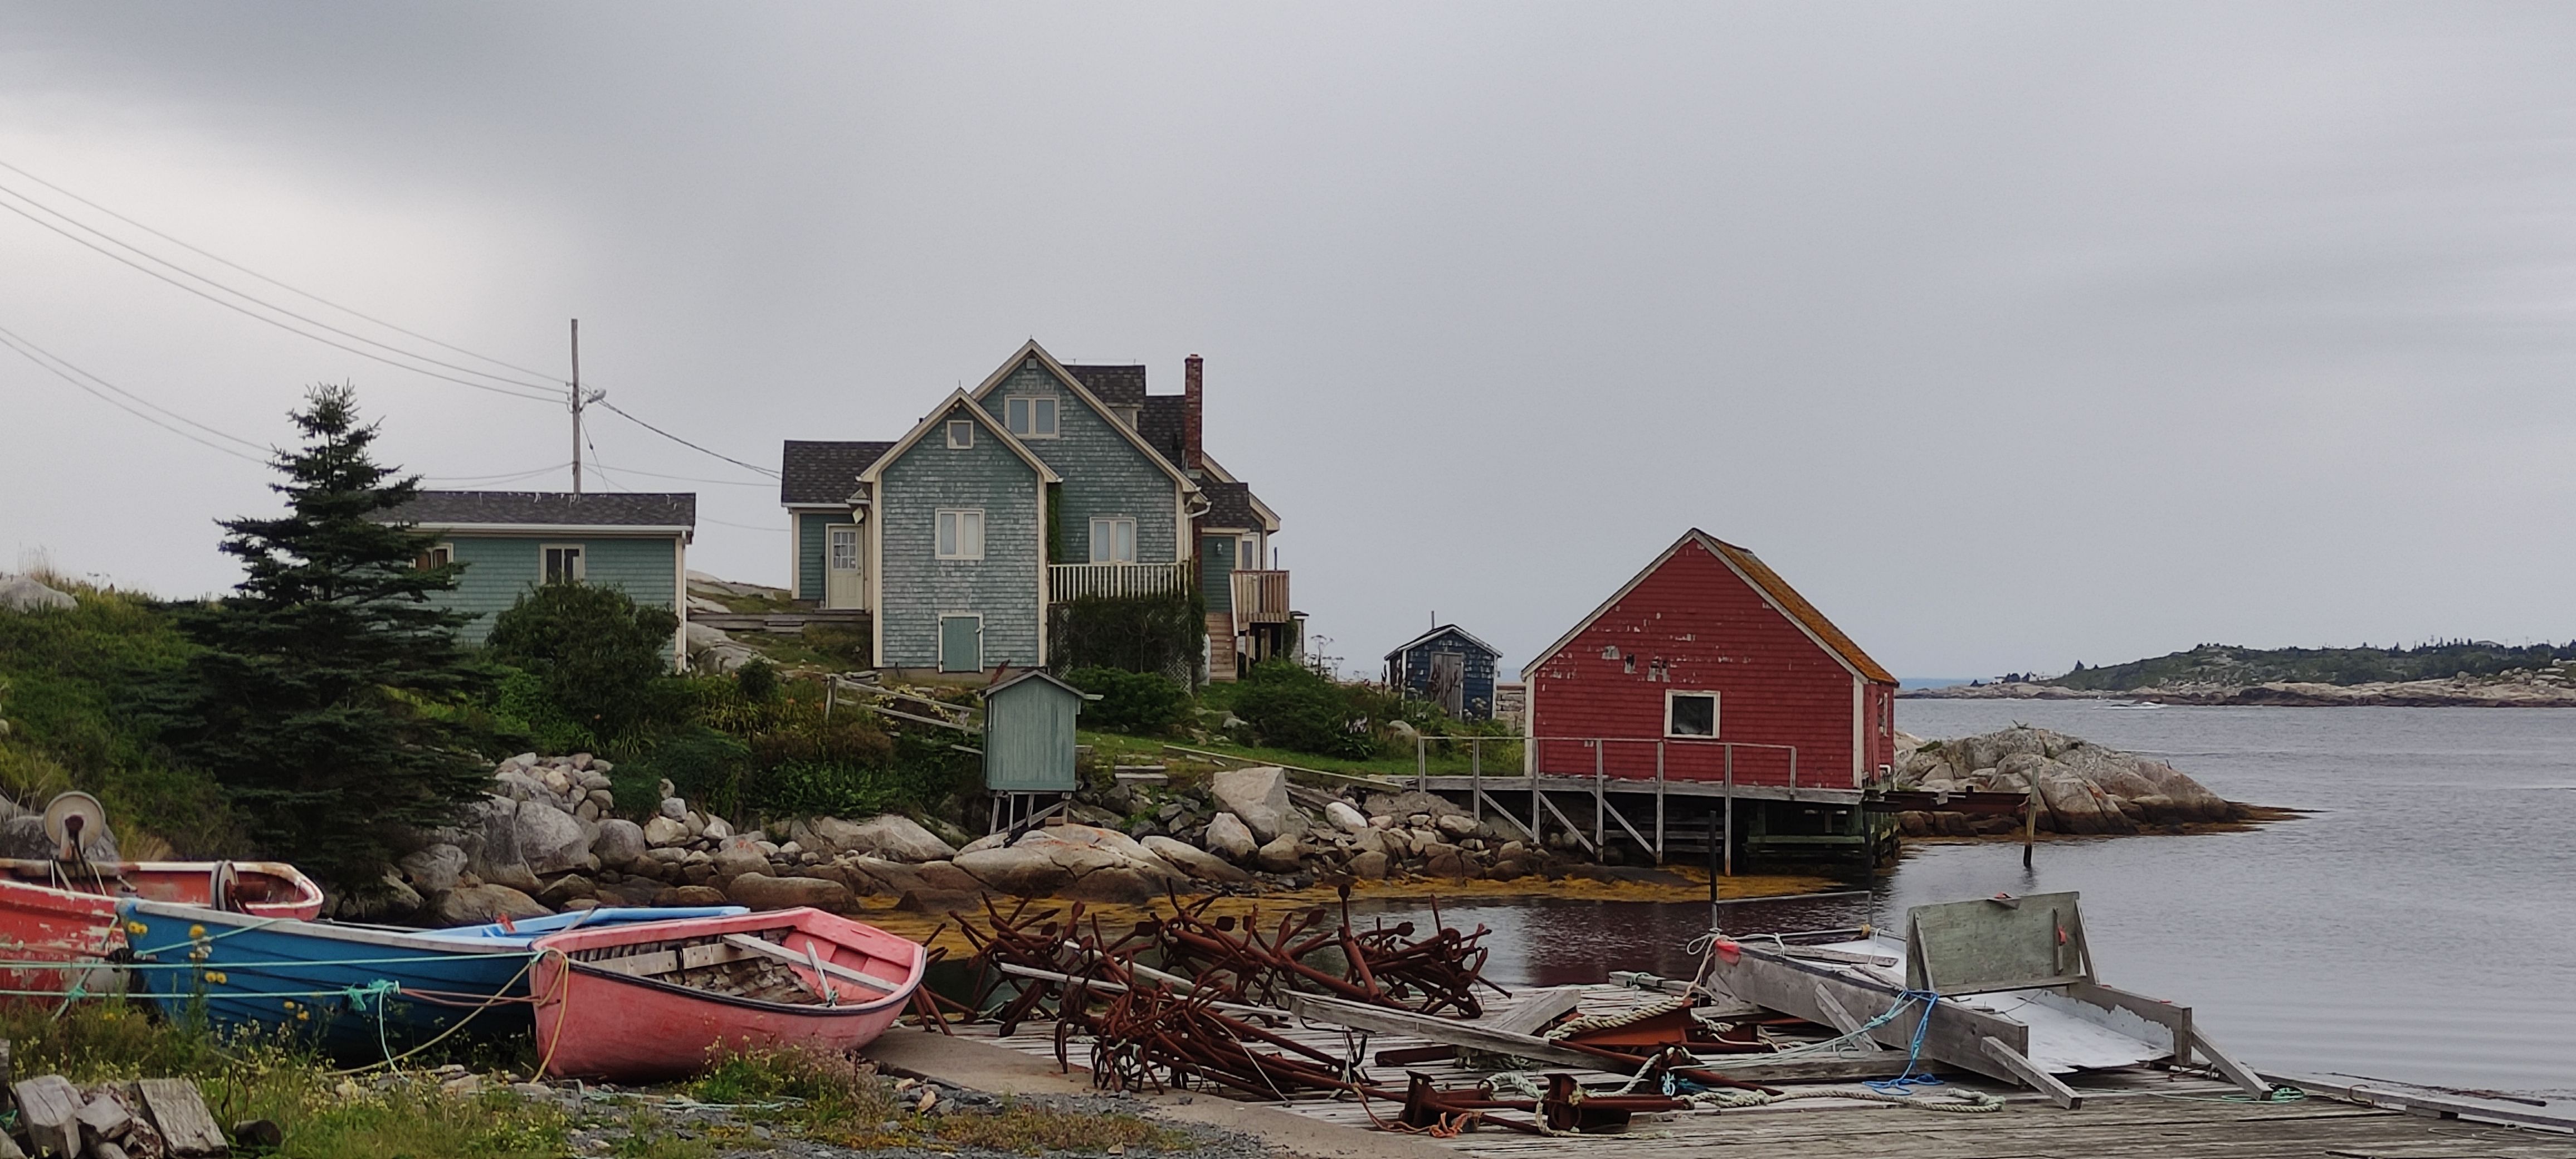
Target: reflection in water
{"x": 2419, "y": 926}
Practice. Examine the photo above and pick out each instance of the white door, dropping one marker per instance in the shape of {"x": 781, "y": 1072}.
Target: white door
{"x": 843, "y": 585}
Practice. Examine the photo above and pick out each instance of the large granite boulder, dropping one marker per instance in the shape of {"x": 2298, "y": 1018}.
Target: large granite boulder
{"x": 20, "y": 593}
{"x": 620, "y": 843}
{"x": 433, "y": 868}
{"x": 1015, "y": 870}
{"x": 549, "y": 840}
{"x": 762, "y": 892}
{"x": 1258, "y": 797}
{"x": 475, "y": 905}
{"x": 1228, "y": 836}
{"x": 1194, "y": 861}
{"x": 891, "y": 836}
{"x": 1280, "y": 855}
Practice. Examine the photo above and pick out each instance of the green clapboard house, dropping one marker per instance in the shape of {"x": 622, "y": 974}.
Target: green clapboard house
{"x": 1045, "y": 483}
{"x": 511, "y": 541}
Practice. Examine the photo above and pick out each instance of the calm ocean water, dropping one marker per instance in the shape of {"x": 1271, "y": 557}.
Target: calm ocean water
{"x": 2420, "y": 924}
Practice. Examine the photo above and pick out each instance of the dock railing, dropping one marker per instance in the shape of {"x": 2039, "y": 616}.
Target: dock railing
{"x": 1722, "y": 850}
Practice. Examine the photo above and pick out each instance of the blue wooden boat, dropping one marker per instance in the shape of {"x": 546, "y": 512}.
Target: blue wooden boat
{"x": 354, "y": 989}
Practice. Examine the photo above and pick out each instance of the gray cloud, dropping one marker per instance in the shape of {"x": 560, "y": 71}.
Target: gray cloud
{"x": 2014, "y": 335}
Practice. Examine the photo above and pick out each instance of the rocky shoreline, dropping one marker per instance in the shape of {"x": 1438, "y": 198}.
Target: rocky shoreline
{"x": 2084, "y": 789}
{"x": 545, "y": 840}
{"x": 2533, "y": 691}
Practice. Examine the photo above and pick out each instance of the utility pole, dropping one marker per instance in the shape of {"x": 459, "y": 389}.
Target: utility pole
{"x": 576, "y": 406}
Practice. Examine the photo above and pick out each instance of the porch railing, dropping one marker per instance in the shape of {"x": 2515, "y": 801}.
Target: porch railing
{"x": 1073, "y": 581}
{"x": 1260, "y": 597}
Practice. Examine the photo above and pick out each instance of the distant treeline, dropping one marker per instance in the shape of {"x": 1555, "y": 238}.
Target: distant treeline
{"x": 2231, "y": 665}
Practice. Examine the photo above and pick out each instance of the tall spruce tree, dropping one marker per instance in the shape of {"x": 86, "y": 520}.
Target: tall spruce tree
{"x": 313, "y": 702}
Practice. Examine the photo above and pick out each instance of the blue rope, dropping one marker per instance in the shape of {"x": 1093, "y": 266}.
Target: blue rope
{"x": 1906, "y": 1080}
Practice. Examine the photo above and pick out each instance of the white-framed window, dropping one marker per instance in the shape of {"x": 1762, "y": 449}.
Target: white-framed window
{"x": 1029, "y": 416}
{"x": 844, "y": 548}
{"x": 1690, "y": 714}
{"x": 1247, "y": 557}
{"x": 565, "y": 563}
{"x": 436, "y": 555}
{"x": 961, "y": 533}
{"x": 1113, "y": 539}
{"x": 961, "y": 434}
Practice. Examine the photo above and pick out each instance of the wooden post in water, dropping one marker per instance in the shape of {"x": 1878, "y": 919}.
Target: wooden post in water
{"x": 1730, "y": 810}
{"x": 2029, "y": 820}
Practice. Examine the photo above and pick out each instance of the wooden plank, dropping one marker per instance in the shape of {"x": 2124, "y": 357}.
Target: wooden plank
{"x": 188, "y": 1130}
{"x": 1435, "y": 1029}
{"x": 1017, "y": 970}
{"x": 1842, "y": 1019}
{"x": 2236, "y": 1072}
{"x": 781, "y": 953}
{"x": 1535, "y": 1010}
{"x": 1754, "y": 1068}
{"x": 2029, "y": 1072}
{"x": 48, "y": 1107}
{"x": 2396, "y": 1097}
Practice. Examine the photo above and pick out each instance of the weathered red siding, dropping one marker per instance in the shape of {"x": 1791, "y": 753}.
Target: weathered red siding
{"x": 1692, "y": 624}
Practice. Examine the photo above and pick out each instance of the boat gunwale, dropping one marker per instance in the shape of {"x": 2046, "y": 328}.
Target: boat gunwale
{"x": 323, "y": 930}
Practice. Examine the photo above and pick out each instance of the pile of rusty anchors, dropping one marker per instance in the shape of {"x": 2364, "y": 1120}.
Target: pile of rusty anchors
{"x": 1148, "y": 1031}
{"x": 1045, "y": 959}
{"x": 1382, "y": 967}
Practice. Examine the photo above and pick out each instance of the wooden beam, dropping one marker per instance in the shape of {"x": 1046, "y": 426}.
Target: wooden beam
{"x": 1107, "y": 987}
{"x": 188, "y": 1130}
{"x": 2030, "y": 1075}
{"x": 1842, "y": 1019}
{"x": 1537, "y": 1008}
{"x": 838, "y": 972}
{"x": 1508, "y": 815}
{"x": 2426, "y": 1103}
{"x": 47, "y": 1108}
{"x": 1571, "y": 829}
{"x": 2237, "y": 1072}
{"x": 1441, "y": 1030}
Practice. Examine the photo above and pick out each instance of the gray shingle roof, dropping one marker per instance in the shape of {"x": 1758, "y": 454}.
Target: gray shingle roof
{"x": 1446, "y": 630}
{"x": 1229, "y": 505}
{"x": 1162, "y": 424}
{"x": 1116, "y": 385}
{"x": 611, "y": 509}
{"x": 813, "y": 473}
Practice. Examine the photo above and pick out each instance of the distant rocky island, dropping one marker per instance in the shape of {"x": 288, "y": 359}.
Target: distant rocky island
{"x": 2453, "y": 674}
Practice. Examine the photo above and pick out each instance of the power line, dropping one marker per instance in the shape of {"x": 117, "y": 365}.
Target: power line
{"x": 264, "y": 277}
{"x": 157, "y": 259}
{"x": 272, "y": 321}
{"x": 487, "y": 480}
{"x": 23, "y": 340}
{"x": 23, "y": 353}
{"x": 689, "y": 478}
{"x": 684, "y": 442}
{"x": 743, "y": 526}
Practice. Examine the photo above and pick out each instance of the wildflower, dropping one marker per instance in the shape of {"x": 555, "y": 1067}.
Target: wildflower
{"x": 195, "y": 932}
{"x": 216, "y": 977}
{"x": 137, "y": 928}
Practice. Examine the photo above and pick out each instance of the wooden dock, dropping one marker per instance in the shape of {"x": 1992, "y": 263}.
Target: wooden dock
{"x": 2127, "y": 1112}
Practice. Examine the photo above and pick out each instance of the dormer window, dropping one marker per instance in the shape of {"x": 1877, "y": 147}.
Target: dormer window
{"x": 1029, "y": 416}
{"x": 961, "y": 434}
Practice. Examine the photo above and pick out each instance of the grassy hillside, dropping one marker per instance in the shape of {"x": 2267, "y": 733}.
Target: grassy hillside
{"x": 73, "y": 688}
{"x": 2231, "y": 665}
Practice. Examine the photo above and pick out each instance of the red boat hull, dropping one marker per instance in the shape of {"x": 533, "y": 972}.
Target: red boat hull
{"x": 594, "y": 1022}
{"x": 48, "y": 915}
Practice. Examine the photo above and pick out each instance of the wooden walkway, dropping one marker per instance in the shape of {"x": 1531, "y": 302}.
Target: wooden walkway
{"x": 2135, "y": 1112}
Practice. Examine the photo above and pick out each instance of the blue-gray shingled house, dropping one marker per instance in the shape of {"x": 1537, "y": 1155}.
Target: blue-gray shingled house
{"x": 511, "y": 541}
{"x": 1447, "y": 666}
{"x": 1043, "y": 484}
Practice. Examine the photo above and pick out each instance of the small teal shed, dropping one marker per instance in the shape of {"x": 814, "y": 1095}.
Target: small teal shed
{"x": 1028, "y": 734}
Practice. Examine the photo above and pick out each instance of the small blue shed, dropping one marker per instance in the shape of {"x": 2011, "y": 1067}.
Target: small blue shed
{"x": 1448, "y": 667}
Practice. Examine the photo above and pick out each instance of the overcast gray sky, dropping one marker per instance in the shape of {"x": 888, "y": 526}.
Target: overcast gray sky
{"x": 2012, "y": 334}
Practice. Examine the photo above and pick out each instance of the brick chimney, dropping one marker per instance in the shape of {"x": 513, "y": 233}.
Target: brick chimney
{"x": 1191, "y": 393}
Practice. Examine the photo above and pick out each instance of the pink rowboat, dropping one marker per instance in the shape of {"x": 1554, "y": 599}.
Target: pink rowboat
{"x": 54, "y": 911}
{"x": 658, "y": 1000}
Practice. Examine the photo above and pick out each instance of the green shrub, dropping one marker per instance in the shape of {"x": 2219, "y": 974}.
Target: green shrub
{"x": 1293, "y": 707}
{"x": 758, "y": 681}
{"x": 1165, "y": 634}
{"x": 1140, "y": 703}
{"x": 604, "y": 659}
{"x": 703, "y": 764}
